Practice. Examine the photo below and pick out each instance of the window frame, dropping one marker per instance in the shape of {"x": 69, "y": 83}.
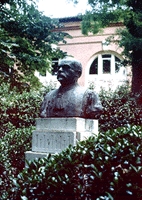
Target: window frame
{"x": 100, "y": 58}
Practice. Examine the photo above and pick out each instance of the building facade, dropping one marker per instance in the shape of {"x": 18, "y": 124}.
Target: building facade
{"x": 101, "y": 61}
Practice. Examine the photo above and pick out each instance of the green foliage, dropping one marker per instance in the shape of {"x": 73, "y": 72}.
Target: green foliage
{"x": 102, "y": 14}
{"x": 26, "y": 38}
{"x": 12, "y": 157}
{"x": 105, "y": 167}
{"x": 119, "y": 109}
{"x": 17, "y": 113}
{"x": 18, "y": 109}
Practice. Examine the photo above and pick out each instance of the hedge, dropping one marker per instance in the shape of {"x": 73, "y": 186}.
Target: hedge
{"x": 105, "y": 167}
{"x": 12, "y": 156}
{"x": 120, "y": 108}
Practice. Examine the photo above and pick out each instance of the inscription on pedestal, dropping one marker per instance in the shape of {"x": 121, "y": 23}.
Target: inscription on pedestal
{"x": 52, "y": 142}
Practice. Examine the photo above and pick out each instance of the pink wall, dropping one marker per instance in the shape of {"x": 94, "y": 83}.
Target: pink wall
{"x": 83, "y": 47}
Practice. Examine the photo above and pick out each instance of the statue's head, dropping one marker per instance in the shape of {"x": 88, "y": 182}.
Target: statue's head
{"x": 69, "y": 71}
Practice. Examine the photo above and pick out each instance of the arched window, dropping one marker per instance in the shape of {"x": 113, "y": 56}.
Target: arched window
{"x": 94, "y": 67}
{"x": 105, "y": 64}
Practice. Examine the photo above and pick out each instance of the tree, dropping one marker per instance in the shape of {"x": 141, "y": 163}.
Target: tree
{"x": 26, "y": 38}
{"x": 129, "y": 12}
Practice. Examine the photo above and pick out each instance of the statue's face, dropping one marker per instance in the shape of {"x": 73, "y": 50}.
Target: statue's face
{"x": 66, "y": 74}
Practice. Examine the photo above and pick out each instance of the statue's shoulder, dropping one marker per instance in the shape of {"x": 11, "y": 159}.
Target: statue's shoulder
{"x": 51, "y": 94}
{"x": 90, "y": 96}
{"x": 87, "y": 91}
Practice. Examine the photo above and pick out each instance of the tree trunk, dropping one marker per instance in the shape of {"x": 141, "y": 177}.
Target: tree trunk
{"x": 137, "y": 81}
{"x": 136, "y": 70}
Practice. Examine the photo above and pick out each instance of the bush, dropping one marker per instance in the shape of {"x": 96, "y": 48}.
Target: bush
{"x": 12, "y": 157}
{"x": 105, "y": 167}
{"x": 17, "y": 113}
{"x": 120, "y": 109}
{"x": 19, "y": 110}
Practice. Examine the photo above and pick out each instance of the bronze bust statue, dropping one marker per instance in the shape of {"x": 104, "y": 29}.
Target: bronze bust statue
{"x": 70, "y": 99}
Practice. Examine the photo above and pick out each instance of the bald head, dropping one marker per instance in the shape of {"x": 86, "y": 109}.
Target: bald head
{"x": 69, "y": 71}
{"x": 73, "y": 63}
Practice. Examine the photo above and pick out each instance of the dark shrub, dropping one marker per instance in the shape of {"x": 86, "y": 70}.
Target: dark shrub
{"x": 19, "y": 109}
{"x": 105, "y": 167}
{"x": 120, "y": 109}
{"x": 12, "y": 157}
{"x": 16, "y": 109}
{"x": 17, "y": 113}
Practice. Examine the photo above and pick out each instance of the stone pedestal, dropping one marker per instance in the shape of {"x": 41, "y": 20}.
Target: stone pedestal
{"x": 52, "y": 135}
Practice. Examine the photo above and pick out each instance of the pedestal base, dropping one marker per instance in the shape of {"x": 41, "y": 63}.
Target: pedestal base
{"x": 31, "y": 155}
{"x": 52, "y": 135}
